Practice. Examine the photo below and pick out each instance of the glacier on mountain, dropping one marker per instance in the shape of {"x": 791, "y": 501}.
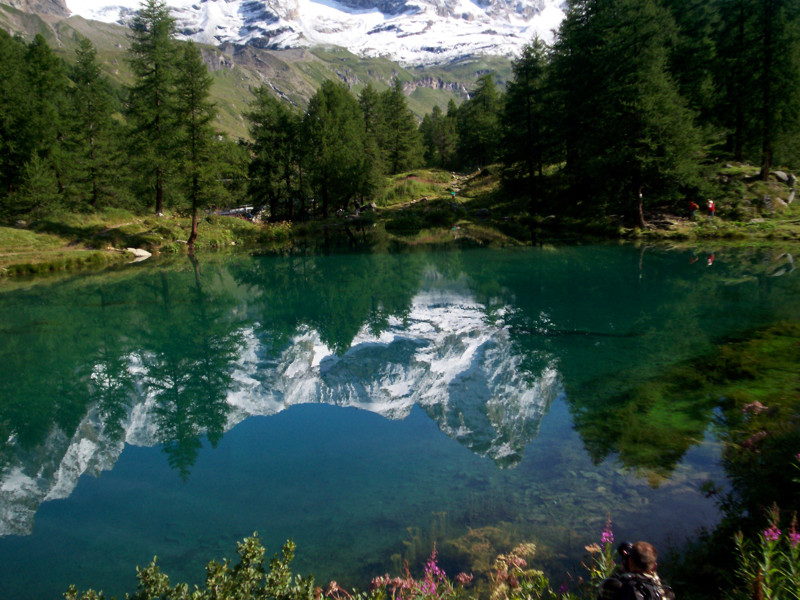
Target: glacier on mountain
{"x": 411, "y": 32}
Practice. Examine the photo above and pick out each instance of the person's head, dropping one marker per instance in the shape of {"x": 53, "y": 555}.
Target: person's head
{"x": 642, "y": 558}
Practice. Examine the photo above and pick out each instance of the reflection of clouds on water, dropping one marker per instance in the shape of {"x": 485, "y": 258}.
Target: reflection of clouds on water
{"x": 446, "y": 354}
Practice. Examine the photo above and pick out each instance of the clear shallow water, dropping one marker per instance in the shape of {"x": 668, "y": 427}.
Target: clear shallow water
{"x": 363, "y": 405}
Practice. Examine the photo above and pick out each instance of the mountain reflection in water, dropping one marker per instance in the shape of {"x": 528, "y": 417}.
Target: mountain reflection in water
{"x": 483, "y": 342}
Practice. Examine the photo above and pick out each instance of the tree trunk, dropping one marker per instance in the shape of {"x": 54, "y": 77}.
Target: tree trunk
{"x": 193, "y": 234}
{"x": 640, "y": 222}
{"x": 738, "y": 136}
{"x": 767, "y": 74}
{"x": 159, "y": 190}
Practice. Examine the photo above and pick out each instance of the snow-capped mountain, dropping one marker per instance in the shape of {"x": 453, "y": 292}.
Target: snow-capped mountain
{"x": 445, "y": 356}
{"x": 407, "y": 31}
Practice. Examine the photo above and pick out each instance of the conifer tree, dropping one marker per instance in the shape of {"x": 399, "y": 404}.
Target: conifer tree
{"x": 736, "y": 46}
{"x": 151, "y": 97}
{"x": 335, "y": 132}
{"x": 439, "y": 138}
{"x": 47, "y": 121}
{"x": 402, "y": 146}
{"x": 195, "y": 133}
{"x": 376, "y": 127}
{"x": 525, "y": 115}
{"x": 694, "y": 52}
{"x": 91, "y": 125}
{"x": 16, "y": 136}
{"x": 630, "y": 136}
{"x": 757, "y": 73}
{"x": 479, "y": 124}
{"x": 779, "y": 81}
{"x": 275, "y": 166}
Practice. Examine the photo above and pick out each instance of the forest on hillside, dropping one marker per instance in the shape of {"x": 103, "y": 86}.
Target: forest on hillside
{"x": 616, "y": 116}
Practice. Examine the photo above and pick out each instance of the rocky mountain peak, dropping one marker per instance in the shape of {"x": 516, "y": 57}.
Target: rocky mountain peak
{"x": 411, "y": 32}
{"x": 42, "y": 7}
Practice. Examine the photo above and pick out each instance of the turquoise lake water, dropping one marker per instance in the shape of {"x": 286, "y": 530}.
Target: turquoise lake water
{"x": 365, "y": 405}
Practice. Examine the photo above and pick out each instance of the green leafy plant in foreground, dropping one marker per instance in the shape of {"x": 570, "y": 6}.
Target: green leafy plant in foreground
{"x": 248, "y": 579}
{"x": 770, "y": 566}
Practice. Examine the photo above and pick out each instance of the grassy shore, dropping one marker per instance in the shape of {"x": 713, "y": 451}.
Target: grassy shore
{"x": 426, "y": 207}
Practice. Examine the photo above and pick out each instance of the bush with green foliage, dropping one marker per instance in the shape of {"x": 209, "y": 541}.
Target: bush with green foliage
{"x": 770, "y": 566}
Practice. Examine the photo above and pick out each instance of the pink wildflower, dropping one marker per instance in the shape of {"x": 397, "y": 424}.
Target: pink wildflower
{"x": 794, "y": 535}
{"x": 607, "y": 536}
{"x": 772, "y": 533}
{"x": 432, "y": 570}
{"x": 463, "y": 578}
{"x": 379, "y": 582}
{"x": 794, "y": 538}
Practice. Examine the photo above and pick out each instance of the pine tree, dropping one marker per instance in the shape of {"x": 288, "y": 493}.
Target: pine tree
{"x": 92, "y": 104}
{"x": 16, "y": 138}
{"x": 376, "y": 127}
{"x": 48, "y": 98}
{"x": 736, "y": 53}
{"x": 757, "y": 72}
{"x": 194, "y": 113}
{"x": 335, "y": 133}
{"x": 479, "y": 124}
{"x": 151, "y": 96}
{"x": 630, "y": 136}
{"x": 694, "y": 52}
{"x": 275, "y": 166}
{"x": 402, "y": 147}
{"x": 779, "y": 81}
{"x": 439, "y": 137}
{"x": 525, "y": 139}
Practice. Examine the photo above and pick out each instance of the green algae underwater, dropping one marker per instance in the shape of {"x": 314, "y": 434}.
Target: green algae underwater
{"x": 369, "y": 405}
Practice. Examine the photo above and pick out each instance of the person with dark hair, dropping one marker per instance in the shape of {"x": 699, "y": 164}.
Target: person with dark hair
{"x": 635, "y": 578}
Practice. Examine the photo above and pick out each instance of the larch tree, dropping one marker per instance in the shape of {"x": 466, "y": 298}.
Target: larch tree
{"x": 194, "y": 114}
{"x": 335, "y": 132}
{"x": 779, "y": 75}
{"x": 151, "y": 97}
{"x": 402, "y": 145}
{"x": 48, "y": 98}
{"x": 16, "y": 139}
{"x": 479, "y": 124}
{"x": 525, "y": 138}
{"x": 91, "y": 122}
{"x": 630, "y": 136}
{"x": 275, "y": 163}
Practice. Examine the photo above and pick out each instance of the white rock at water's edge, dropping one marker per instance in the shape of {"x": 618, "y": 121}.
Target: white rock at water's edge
{"x": 138, "y": 254}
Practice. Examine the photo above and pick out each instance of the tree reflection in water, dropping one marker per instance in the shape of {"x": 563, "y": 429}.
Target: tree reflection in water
{"x": 651, "y": 350}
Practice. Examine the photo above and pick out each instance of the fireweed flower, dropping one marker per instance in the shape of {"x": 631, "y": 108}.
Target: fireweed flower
{"x": 794, "y": 535}
{"x": 607, "y": 537}
{"x": 432, "y": 570}
{"x": 772, "y": 533}
{"x": 794, "y": 538}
